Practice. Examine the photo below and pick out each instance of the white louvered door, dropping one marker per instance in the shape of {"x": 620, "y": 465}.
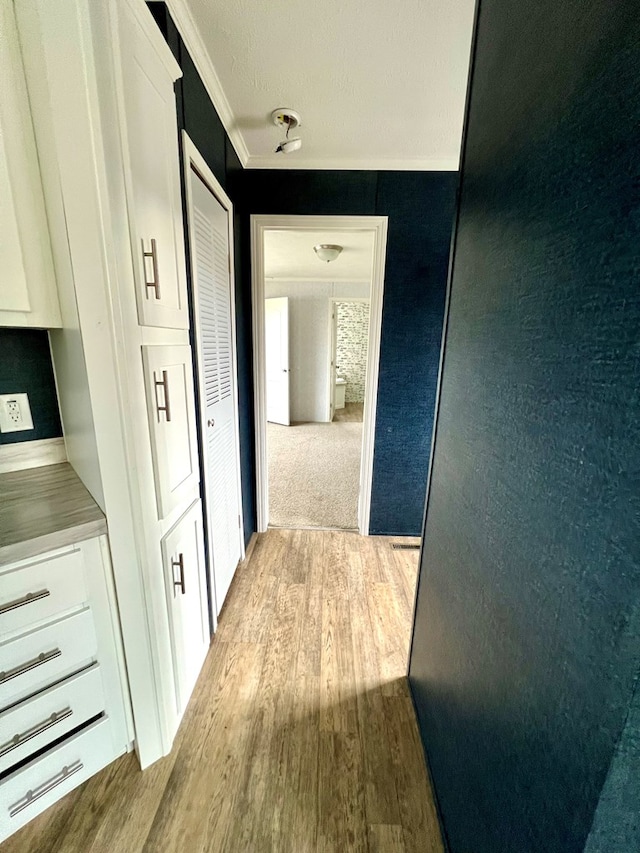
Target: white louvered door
{"x": 209, "y": 233}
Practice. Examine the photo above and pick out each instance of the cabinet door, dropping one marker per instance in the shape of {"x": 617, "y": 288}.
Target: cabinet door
{"x": 184, "y": 564}
{"x": 149, "y": 71}
{"x": 172, "y": 412}
{"x": 28, "y": 293}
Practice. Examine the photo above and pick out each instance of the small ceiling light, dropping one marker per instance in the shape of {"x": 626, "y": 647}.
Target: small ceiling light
{"x": 327, "y": 251}
{"x": 289, "y": 119}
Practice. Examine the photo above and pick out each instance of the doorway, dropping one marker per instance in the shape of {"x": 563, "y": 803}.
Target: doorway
{"x": 299, "y": 427}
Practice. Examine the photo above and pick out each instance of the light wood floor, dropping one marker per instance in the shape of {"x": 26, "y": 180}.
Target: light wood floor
{"x": 301, "y": 735}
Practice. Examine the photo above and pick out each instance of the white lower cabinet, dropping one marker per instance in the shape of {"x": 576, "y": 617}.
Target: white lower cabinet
{"x": 39, "y": 784}
{"x": 184, "y": 568}
{"x": 62, "y": 685}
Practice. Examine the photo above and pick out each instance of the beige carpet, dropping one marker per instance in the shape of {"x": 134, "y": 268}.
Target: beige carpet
{"x": 314, "y": 473}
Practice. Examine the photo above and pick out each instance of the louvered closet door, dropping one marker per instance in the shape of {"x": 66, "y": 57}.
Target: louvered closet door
{"x": 209, "y": 226}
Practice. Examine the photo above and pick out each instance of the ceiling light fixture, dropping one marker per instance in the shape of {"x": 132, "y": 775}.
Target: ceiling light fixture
{"x": 327, "y": 251}
{"x": 289, "y": 119}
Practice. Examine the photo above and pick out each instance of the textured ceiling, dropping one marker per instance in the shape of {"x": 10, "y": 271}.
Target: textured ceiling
{"x": 379, "y": 85}
{"x": 290, "y": 255}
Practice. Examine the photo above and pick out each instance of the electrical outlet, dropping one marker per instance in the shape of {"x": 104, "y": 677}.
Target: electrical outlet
{"x": 15, "y": 413}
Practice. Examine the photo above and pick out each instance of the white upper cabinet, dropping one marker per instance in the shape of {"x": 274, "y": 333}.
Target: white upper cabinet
{"x": 149, "y": 71}
{"x": 28, "y": 294}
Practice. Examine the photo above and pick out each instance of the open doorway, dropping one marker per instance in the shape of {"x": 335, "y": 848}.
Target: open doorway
{"x": 316, "y": 351}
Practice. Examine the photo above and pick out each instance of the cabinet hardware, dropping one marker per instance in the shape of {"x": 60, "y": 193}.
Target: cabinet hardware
{"x": 180, "y": 564}
{"x": 155, "y": 284}
{"x": 211, "y": 422}
{"x": 18, "y": 739}
{"x": 164, "y": 384}
{"x": 26, "y": 599}
{"x": 35, "y": 793}
{"x": 43, "y": 657}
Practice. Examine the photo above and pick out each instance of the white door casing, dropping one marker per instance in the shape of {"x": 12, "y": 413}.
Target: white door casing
{"x": 259, "y": 225}
{"x": 276, "y": 347}
{"x": 210, "y": 237}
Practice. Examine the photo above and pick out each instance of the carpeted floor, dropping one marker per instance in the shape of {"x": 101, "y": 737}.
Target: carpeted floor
{"x": 314, "y": 474}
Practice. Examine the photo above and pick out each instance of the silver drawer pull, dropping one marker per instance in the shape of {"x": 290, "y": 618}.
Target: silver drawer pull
{"x": 43, "y": 657}
{"x": 36, "y": 793}
{"x": 18, "y": 739}
{"x": 26, "y": 599}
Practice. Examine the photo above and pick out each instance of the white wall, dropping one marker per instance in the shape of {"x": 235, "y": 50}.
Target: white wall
{"x": 309, "y": 340}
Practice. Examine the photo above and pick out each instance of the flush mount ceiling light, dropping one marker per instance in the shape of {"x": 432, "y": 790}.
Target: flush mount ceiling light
{"x": 327, "y": 251}
{"x": 289, "y": 119}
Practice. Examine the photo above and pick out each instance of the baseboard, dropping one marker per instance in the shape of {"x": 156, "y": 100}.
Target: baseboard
{"x": 250, "y": 547}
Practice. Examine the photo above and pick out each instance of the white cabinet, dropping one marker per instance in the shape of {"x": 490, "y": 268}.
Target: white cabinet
{"x": 168, "y": 374}
{"x": 62, "y": 700}
{"x": 184, "y": 566}
{"x": 28, "y": 294}
{"x": 152, "y": 139}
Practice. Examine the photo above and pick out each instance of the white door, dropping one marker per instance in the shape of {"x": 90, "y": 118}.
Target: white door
{"x": 172, "y": 421}
{"x": 152, "y": 135}
{"x": 183, "y": 557}
{"x": 209, "y": 234}
{"x": 276, "y": 334}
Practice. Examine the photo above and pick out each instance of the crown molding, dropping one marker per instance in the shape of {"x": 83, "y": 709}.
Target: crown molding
{"x": 192, "y": 39}
{"x": 380, "y": 164}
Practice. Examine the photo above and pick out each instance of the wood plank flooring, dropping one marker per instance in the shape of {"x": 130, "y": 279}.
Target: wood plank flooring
{"x": 300, "y": 736}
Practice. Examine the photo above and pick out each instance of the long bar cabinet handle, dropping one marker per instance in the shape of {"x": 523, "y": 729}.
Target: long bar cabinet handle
{"x": 43, "y": 657}
{"x": 180, "y": 564}
{"x": 164, "y": 384}
{"x": 35, "y": 793}
{"x": 29, "y": 598}
{"x": 19, "y": 739}
{"x": 153, "y": 254}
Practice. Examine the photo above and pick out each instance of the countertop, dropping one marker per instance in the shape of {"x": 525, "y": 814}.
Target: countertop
{"x": 45, "y": 508}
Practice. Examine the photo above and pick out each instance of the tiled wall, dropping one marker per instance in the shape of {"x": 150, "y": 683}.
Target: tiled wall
{"x": 352, "y": 340}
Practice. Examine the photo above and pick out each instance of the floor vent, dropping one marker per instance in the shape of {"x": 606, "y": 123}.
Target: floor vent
{"x": 399, "y": 546}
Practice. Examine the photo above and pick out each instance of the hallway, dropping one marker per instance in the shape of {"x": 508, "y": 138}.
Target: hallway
{"x": 300, "y": 736}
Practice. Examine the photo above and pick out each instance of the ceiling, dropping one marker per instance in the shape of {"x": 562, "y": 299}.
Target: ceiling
{"x": 378, "y": 85}
{"x": 290, "y": 255}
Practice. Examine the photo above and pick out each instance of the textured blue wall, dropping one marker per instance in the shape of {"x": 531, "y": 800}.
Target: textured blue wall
{"x": 527, "y": 631}
{"x": 26, "y": 367}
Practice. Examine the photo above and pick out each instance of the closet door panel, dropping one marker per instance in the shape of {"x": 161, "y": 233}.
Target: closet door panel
{"x": 184, "y": 565}
{"x": 152, "y": 137}
{"x": 171, "y": 407}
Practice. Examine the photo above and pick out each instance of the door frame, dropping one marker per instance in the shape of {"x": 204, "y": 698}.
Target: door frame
{"x": 191, "y": 158}
{"x": 331, "y": 396}
{"x": 261, "y": 223}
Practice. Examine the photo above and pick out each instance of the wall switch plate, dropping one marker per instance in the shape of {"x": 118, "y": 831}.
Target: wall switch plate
{"x": 15, "y": 413}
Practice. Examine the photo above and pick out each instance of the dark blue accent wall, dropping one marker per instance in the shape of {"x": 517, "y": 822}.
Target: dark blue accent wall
{"x": 26, "y": 368}
{"x": 420, "y": 207}
{"x": 527, "y": 633}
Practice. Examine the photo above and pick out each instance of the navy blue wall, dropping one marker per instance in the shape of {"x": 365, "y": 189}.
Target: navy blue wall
{"x": 420, "y": 207}
{"x": 26, "y": 367}
{"x": 527, "y": 634}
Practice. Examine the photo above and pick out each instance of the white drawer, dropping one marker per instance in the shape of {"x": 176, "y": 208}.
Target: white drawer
{"x": 41, "y": 590}
{"x": 35, "y": 660}
{"x": 36, "y": 786}
{"x": 33, "y": 724}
